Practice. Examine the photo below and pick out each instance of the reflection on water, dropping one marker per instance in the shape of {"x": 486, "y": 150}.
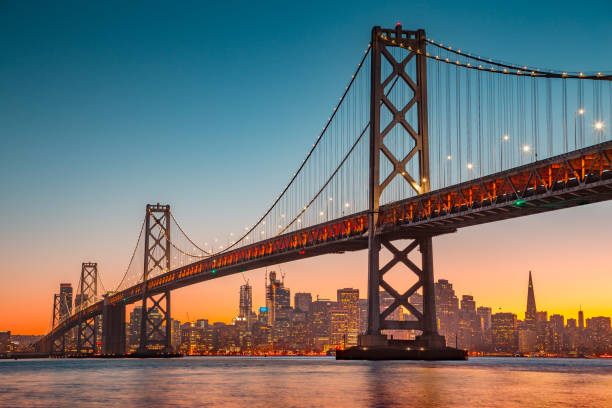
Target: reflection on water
{"x": 305, "y": 381}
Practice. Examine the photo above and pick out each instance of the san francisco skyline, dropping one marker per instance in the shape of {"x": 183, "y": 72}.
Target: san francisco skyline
{"x": 76, "y": 178}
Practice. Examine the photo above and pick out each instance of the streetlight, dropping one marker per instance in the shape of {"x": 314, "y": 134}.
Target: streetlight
{"x": 501, "y": 152}
{"x": 599, "y": 126}
{"x": 578, "y": 112}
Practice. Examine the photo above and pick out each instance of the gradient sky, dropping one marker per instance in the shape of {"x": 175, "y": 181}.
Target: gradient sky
{"x": 210, "y": 106}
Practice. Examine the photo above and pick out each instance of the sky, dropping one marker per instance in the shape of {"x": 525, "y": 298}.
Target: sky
{"x": 210, "y": 107}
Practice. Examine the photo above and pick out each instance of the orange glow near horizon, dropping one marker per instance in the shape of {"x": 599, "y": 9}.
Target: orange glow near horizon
{"x": 490, "y": 262}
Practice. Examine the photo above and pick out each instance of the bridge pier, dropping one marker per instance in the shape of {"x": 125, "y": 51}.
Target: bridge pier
{"x": 156, "y": 261}
{"x": 113, "y": 328}
{"x": 375, "y": 345}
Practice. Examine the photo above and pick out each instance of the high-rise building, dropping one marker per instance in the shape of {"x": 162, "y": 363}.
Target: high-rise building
{"x": 245, "y": 307}
{"x": 484, "y": 315}
{"x": 133, "y": 328}
{"x": 580, "y": 319}
{"x": 192, "y": 339}
{"x": 277, "y": 297}
{"x": 320, "y": 322}
{"x": 175, "y": 333}
{"x": 504, "y": 332}
{"x": 348, "y": 300}
{"x": 447, "y": 310}
{"x": 338, "y": 328}
{"x": 469, "y": 325}
{"x": 530, "y": 312}
{"x": 65, "y": 308}
{"x": 526, "y": 339}
{"x": 363, "y": 315}
{"x": 302, "y": 302}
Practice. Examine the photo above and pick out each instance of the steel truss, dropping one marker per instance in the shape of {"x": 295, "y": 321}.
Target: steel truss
{"x": 87, "y": 329}
{"x": 58, "y": 343}
{"x": 156, "y": 262}
{"x": 414, "y": 42}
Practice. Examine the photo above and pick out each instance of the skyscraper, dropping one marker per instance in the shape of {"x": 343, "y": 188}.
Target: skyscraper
{"x": 272, "y": 297}
{"x": 504, "y": 332}
{"x": 580, "y": 319}
{"x": 348, "y": 300}
{"x": 302, "y": 302}
{"x": 530, "y": 313}
{"x": 245, "y": 307}
{"x": 447, "y": 310}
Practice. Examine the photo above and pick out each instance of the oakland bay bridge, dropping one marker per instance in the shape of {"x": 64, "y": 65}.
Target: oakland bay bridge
{"x": 426, "y": 138}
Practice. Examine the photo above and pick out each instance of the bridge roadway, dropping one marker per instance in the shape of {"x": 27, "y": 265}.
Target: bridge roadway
{"x": 577, "y": 178}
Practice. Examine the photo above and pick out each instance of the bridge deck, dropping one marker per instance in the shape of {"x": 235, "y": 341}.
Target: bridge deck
{"x": 572, "y": 179}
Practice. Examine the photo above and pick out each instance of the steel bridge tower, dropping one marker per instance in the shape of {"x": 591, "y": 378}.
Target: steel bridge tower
{"x": 87, "y": 329}
{"x": 58, "y": 344}
{"x": 156, "y": 261}
{"x": 414, "y": 42}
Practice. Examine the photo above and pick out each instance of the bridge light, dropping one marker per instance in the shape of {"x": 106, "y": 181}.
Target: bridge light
{"x": 331, "y": 199}
{"x": 519, "y": 203}
{"x": 581, "y": 111}
{"x": 321, "y": 213}
{"x": 214, "y": 271}
{"x": 526, "y": 148}
{"x": 469, "y": 166}
{"x": 598, "y": 125}
{"x": 506, "y": 137}
{"x": 449, "y": 157}
{"x": 347, "y": 205}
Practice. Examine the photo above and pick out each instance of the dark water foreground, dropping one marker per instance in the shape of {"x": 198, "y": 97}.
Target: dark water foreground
{"x": 305, "y": 382}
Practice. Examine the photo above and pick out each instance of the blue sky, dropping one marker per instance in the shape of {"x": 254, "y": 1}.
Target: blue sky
{"x": 206, "y": 106}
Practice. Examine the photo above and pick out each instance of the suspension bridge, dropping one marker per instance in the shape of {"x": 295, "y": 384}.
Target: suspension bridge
{"x": 425, "y": 139}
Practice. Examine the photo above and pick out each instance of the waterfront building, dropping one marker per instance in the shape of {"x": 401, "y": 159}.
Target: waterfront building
{"x": 363, "y": 316}
{"x": 5, "y": 341}
{"x": 526, "y": 339}
{"x": 504, "y": 332}
{"x": 468, "y": 330}
{"x": 348, "y": 300}
{"x": 447, "y": 311}
{"x": 338, "y": 318}
{"x": 320, "y": 322}
{"x": 484, "y": 317}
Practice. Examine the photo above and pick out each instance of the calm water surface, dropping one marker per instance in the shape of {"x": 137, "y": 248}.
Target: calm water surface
{"x": 305, "y": 382}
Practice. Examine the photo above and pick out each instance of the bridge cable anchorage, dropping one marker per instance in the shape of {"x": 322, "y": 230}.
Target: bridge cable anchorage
{"x": 308, "y": 156}
{"x": 514, "y": 68}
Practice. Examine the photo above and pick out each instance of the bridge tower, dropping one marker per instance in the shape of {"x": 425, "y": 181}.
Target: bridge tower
{"x": 156, "y": 261}
{"x": 87, "y": 329}
{"x": 414, "y": 44}
{"x": 58, "y": 344}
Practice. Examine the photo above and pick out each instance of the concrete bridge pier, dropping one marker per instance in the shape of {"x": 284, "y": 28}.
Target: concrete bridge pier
{"x": 113, "y": 328}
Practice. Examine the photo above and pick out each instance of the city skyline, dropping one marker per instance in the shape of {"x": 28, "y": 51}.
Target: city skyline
{"x": 62, "y": 206}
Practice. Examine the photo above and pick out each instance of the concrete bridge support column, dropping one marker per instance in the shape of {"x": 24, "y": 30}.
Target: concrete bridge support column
{"x": 113, "y": 328}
